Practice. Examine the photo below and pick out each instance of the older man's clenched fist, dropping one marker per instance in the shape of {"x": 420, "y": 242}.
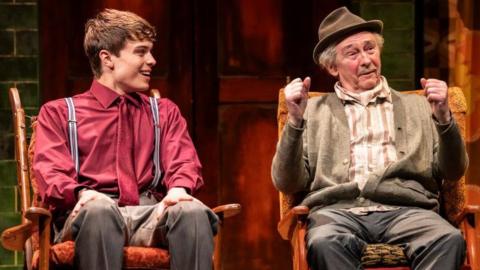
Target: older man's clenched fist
{"x": 296, "y": 96}
{"x": 436, "y": 92}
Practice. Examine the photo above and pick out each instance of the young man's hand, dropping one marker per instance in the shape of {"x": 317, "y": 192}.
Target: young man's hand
{"x": 296, "y": 96}
{"x": 436, "y": 92}
{"x": 86, "y": 195}
{"x": 175, "y": 195}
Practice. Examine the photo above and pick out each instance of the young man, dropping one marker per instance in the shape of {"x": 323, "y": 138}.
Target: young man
{"x": 125, "y": 189}
{"x": 370, "y": 158}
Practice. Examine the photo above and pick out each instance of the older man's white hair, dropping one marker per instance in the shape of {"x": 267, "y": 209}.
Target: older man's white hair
{"x": 327, "y": 58}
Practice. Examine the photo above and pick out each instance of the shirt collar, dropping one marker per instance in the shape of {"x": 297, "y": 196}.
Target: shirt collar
{"x": 382, "y": 90}
{"x": 107, "y": 96}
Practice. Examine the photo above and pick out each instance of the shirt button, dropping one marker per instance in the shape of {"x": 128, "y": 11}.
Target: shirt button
{"x": 361, "y": 199}
{"x": 345, "y": 161}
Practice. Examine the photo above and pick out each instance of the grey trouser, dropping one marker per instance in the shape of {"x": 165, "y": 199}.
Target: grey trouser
{"x": 336, "y": 238}
{"x": 101, "y": 230}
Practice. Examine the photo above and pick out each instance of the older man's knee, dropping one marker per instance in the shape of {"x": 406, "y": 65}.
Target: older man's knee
{"x": 453, "y": 239}
{"x": 324, "y": 241}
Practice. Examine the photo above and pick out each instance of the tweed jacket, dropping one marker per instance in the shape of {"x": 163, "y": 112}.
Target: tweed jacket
{"x": 316, "y": 157}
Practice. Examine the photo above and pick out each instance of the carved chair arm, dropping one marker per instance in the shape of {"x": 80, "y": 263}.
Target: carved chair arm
{"x": 287, "y": 224}
{"x": 469, "y": 209}
{"x": 14, "y": 238}
{"x": 227, "y": 210}
{"x": 473, "y": 203}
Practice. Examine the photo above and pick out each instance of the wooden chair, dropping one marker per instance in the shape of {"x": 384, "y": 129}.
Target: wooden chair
{"x": 33, "y": 234}
{"x": 460, "y": 203}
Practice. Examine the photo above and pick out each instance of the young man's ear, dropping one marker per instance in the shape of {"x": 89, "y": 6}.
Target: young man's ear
{"x": 106, "y": 59}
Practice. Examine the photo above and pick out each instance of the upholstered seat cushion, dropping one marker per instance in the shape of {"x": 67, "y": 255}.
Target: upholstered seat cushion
{"x": 61, "y": 255}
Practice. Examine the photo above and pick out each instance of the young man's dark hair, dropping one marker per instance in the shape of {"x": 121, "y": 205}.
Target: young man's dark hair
{"x": 109, "y": 30}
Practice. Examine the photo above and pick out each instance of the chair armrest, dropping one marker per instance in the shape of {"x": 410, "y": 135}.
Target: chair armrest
{"x": 35, "y": 213}
{"x": 227, "y": 210}
{"x": 14, "y": 238}
{"x": 287, "y": 224}
{"x": 473, "y": 203}
{"x": 469, "y": 209}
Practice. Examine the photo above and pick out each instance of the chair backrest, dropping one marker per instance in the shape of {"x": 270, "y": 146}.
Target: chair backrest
{"x": 452, "y": 193}
{"x": 23, "y": 174}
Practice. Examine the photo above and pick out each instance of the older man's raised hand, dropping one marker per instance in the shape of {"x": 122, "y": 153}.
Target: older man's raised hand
{"x": 436, "y": 92}
{"x": 296, "y": 96}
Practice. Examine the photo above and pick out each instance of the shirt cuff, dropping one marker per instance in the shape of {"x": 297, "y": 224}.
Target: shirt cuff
{"x": 292, "y": 131}
{"x": 185, "y": 188}
{"x": 187, "y": 184}
{"x": 77, "y": 190}
{"x": 444, "y": 128}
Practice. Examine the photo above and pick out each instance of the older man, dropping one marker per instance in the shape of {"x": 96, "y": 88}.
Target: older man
{"x": 370, "y": 158}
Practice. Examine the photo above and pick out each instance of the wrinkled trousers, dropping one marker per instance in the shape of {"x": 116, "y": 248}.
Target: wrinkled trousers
{"x": 101, "y": 229}
{"x": 335, "y": 239}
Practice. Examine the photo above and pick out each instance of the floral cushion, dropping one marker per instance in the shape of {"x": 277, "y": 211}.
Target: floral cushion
{"x": 61, "y": 255}
{"x": 383, "y": 255}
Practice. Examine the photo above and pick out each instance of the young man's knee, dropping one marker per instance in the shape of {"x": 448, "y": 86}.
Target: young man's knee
{"x": 189, "y": 208}
{"x": 99, "y": 209}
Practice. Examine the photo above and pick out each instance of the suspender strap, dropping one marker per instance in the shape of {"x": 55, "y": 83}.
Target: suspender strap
{"x": 72, "y": 132}
{"x": 156, "y": 152}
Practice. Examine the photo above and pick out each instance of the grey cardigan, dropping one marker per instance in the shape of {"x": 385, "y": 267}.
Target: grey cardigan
{"x": 316, "y": 158}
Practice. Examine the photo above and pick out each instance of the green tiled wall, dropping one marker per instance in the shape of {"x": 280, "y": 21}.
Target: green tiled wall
{"x": 398, "y": 56}
{"x": 18, "y": 68}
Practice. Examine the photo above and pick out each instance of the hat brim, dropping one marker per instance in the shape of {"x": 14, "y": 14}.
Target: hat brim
{"x": 373, "y": 26}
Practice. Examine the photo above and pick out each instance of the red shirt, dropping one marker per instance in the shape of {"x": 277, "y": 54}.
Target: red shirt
{"x": 97, "y": 119}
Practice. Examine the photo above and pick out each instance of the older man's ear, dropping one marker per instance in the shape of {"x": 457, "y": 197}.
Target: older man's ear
{"x": 333, "y": 71}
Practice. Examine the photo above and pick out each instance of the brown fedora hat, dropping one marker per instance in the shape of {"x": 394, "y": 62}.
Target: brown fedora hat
{"x": 338, "y": 25}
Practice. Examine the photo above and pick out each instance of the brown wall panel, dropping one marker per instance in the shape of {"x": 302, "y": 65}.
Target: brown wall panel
{"x": 248, "y": 140}
{"x": 205, "y": 97}
{"x": 250, "y": 89}
{"x": 250, "y": 37}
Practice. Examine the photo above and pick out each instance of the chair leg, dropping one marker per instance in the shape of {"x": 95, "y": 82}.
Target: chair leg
{"x": 302, "y": 250}
{"x": 217, "y": 256}
{"x": 299, "y": 250}
{"x": 468, "y": 227}
{"x": 44, "y": 231}
{"x": 28, "y": 254}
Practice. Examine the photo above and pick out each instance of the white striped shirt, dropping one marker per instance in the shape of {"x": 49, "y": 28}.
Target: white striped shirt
{"x": 372, "y": 133}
